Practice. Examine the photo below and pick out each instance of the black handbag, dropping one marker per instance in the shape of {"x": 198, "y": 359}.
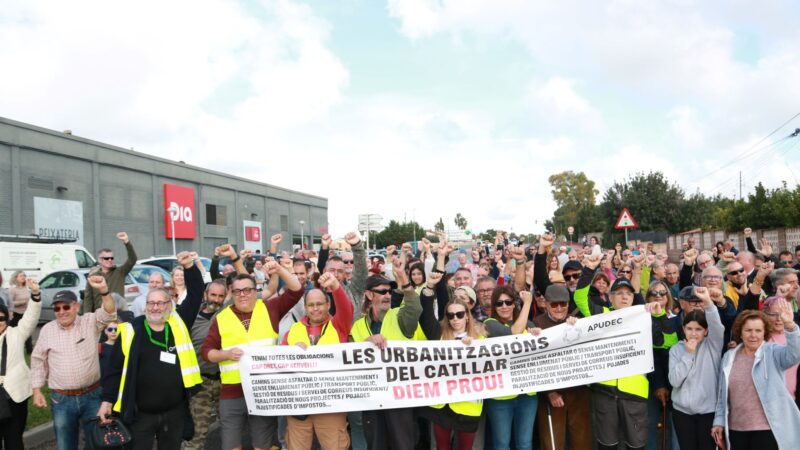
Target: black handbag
{"x": 5, "y": 400}
{"x": 108, "y": 436}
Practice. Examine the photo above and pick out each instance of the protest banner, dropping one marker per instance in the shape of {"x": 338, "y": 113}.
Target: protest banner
{"x": 287, "y": 380}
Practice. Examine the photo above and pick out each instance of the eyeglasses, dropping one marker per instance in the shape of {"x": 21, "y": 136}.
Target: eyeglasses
{"x": 484, "y": 291}
{"x": 316, "y": 305}
{"x": 558, "y": 304}
{"x": 574, "y": 276}
{"x": 459, "y": 314}
{"x": 661, "y": 293}
{"x": 58, "y": 308}
{"x": 111, "y": 329}
{"x": 500, "y": 303}
{"x": 348, "y": 261}
{"x": 157, "y": 304}
{"x": 623, "y": 272}
{"x": 243, "y": 291}
{"x": 712, "y": 277}
{"x": 107, "y": 258}
{"x": 381, "y": 291}
{"x": 736, "y": 272}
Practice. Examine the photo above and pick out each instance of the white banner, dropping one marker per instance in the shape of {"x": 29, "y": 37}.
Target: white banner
{"x": 287, "y": 380}
{"x": 58, "y": 219}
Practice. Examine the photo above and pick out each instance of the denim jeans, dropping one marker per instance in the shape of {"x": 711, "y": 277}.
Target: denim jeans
{"x": 68, "y": 412}
{"x": 517, "y": 414}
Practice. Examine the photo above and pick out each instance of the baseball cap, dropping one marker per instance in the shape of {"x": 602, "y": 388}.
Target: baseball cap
{"x": 64, "y": 296}
{"x": 379, "y": 280}
{"x": 620, "y": 283}
{"x": 557, "y": 293}
{"x": 574, "y": 265}
{"x": 688, "y": 294}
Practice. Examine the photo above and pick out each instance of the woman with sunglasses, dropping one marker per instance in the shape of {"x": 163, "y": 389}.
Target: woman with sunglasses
{"x": 659, "y": 408}
{"x": 459, "y": 418}
{"x": 513, "y": 415}
{"x": 17, "y": 379}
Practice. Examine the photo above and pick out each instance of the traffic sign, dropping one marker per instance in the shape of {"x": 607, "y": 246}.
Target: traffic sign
{"x": 625, "y": 220}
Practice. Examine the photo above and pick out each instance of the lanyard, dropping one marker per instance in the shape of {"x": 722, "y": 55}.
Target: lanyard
{"x": 323, "y": 332}
{"x": 166, "y": 336}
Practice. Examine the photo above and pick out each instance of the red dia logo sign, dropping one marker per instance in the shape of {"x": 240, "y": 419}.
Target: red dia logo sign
{"x": 179, "y": 207}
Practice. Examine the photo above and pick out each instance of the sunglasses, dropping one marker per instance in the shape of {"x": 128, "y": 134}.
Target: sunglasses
{"x": 558, "y": 304}
{"x": 624, "y": 272}
{"x": 58, "y": 308}
{"x": 111, "y": 329}
{"x": 574, "y": 276}
{"x": 500, "y": 303}
{"x": 460, "y": 315}
{"x": 107, "y": 258}
{"x": 381, "y": 291}
{"x": 348, "y": 261}
{"x": 661, "y": 293}
{"x": 736, "y": 272}
{"x": 3, "y": 318}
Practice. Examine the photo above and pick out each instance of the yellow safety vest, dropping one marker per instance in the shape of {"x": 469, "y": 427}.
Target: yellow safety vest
{"x": 508, "y": 397}
{"x": 471, "y": 408}
{"x": 233, "y": 334}
{"x": 635, "y": 385}
{"x": 187, "y": 358}
{"x": 299, "y": 333}
{"x": 390, "y": 329}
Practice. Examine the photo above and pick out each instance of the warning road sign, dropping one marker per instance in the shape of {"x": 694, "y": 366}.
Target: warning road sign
{"x": 625, "y": 220}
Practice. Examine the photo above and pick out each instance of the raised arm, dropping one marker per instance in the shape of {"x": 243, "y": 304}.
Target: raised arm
{"x": 131, "y": 260}
{"x": 195, "y": 287}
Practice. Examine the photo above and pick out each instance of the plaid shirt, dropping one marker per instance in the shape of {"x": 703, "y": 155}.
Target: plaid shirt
{"x": 67, "y": 358}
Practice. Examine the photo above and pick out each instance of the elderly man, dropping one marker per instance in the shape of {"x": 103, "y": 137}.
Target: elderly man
{"x": 318, "y": 327}
{"x": 115, "y": 276}
{"x": 483, "y": 291}
{"x": 65, "y": 356}
{"x": 672, "y": 278}
{"x": 335, "y": 265}
{"x": 785, "y": 284}
{"x": 248, "y": 322}
{"x": 156, "y": 281}
{"x": 688, "y": 275}
{"x": 153, "y": 368}
{"x": 568, "y": 408}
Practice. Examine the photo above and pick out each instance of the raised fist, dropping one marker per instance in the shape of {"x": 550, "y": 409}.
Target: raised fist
{"x": 123, "y": 236}
{"x": 352, "y": 238}
{"x": 276, "y": 238}
{"x": 328, "y": 282}
{"x": 326, "y": 241}
{"x": 185, "y": 259}
{"x": 98, "y": 283}
{"x": 271, "y": 267}
{"x": 748, "y": 232}
{"x": 226, "y": 250}
{"x": 33, "y": 285}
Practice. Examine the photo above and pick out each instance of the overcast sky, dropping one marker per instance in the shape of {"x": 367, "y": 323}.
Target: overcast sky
{"x": 420, "y": 108}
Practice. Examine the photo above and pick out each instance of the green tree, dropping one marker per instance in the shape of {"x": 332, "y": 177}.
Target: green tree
{"x": 460, "y": 221}
{"x": 396, "y": 233}
{"x": 575, "y": 195}
{"x": 439, "y": 225}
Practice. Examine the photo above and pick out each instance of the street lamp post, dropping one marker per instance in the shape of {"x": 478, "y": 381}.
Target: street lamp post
{"x": 173, "y": 210}
{"x": 302, "y": 247}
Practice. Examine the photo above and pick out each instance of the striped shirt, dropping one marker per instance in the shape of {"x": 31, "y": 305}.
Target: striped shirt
{"x": 67, "y": 358}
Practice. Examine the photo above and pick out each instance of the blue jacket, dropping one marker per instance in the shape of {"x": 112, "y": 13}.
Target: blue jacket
{"x": 771, "y": 362}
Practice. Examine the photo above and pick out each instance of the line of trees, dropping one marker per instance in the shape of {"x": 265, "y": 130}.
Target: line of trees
{"x": 659, "y": 204}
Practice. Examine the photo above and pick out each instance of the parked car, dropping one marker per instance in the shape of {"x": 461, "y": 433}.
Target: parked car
{"x": 169, "y": 262}
{"x": 73, "y": 280}
{"x": 141, "y": 275}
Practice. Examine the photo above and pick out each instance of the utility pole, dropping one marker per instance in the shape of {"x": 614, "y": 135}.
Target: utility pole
{"x": 740, "y": 185}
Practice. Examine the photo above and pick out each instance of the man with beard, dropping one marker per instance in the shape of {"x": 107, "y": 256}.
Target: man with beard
{"x": 204, "y": 404}
{"x": 153, "y": 366}
{"x": 568, "y": 408}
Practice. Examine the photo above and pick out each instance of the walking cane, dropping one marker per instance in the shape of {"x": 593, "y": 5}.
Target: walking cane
{"x": 550, "y": 422}
{"x": 664, "y": 429}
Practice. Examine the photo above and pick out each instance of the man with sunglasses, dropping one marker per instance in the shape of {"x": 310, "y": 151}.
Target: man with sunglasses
{"x": 114, "y": 275}
{"x": 737, "y": 284}
{"x": 568, "y": 408}
{"x": 249, "y": 322}
{"x": 355, "y": 286}
{"x": 153, "y": 369}
{"x": 571, "y": 271}
{"x": 65, "y": 356}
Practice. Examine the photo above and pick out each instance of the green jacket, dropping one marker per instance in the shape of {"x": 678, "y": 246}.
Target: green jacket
{"x": 115, "y": 279}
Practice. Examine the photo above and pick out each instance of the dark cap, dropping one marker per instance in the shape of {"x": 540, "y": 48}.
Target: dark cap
{"x": 379, "y": 280}
{"x": 688, "y": 295}
{"x": 64, "y": 296}
{"x": 574, "y": 265}
{"x": 557, "y": 293}
{"x": 620, "y": 283}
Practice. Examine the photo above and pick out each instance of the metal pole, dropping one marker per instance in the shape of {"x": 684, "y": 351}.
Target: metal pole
{"x": 302, "y": 247}
{"x": 626, "y": 238}
{"x": 172, "y": 226}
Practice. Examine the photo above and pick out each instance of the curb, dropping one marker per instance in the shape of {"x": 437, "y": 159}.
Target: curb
{"x": 39, "y": 435}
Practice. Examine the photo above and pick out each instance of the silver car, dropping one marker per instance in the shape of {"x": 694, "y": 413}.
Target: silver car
{"x": 73, "y": 280}
{"x": 141, "y": 274}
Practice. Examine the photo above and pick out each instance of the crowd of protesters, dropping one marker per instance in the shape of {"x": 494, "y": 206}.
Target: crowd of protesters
{"x": 724, "y": 322}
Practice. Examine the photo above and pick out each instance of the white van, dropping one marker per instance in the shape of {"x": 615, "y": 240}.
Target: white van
{"x": 38, "y": 258}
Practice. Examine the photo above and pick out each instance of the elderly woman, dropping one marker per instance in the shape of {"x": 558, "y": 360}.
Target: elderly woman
{"x": 17, "y": 377}
{"x": 754, "y": 409}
